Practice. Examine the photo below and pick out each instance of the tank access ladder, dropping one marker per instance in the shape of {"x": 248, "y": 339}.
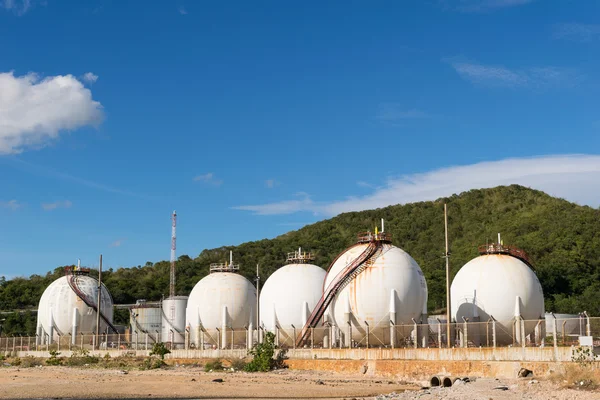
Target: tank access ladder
{"x": 139, "y": 328}
{"x": 72, "y": 279}
{"x": 338, "y": 283}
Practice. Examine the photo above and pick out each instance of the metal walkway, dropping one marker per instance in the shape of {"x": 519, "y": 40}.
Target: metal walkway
{"x": 365, "y": 259}
{"x": 72, "y": 279}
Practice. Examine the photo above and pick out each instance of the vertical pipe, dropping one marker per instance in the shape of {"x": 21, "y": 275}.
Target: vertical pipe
{"x": 99, "y": 303}
{"x": 494, "y": 333}
{"x": 198, "y": 338}
{"x": 440, "y": 327}
{"x": 393, "y": 318}
{"x": 447, "y": 256}
{"x": 74, "y": 325}
{"x": 257, "y": 303}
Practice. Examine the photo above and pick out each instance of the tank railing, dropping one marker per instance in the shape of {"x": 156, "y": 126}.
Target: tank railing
{"x": 224, "y": 267}
{"x": 498, "y": 248}
{"x": 75, "y": 270}
{"x": 299, "y": 258}
{"x": 366, "y": 237}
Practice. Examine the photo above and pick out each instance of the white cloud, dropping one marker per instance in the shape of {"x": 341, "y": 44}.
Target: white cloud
{"x": 579, "y": 32}
{"x": 488, "y": 5}
{"x": 535, "y": 77}
{"x": 182, "y": 10}
{"x": 57, "y": 204}
{"x": 19, "y": 7}
{"x": 573, "y": 177}
{"x": 395, "y": 112}
{"x": 13, "y": 205}
{"x": 90, "y": 77}
{"x": 208, "y": 178}
{"x": 34, "y": 112}
{"x": 117, "y": 243}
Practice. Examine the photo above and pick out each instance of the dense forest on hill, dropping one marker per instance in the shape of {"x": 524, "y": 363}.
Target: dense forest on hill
{"x": 561, "y": 238}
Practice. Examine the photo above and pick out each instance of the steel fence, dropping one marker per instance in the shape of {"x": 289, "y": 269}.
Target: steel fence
{"x": 465, "y": 334}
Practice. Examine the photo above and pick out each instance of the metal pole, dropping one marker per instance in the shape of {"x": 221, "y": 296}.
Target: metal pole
{"x": 257, "y": 294}
{"x": 98, "y": 304}
{"x": 447, "y": 257}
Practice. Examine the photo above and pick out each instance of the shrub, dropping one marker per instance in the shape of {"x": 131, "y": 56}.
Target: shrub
{"x": 54, "y": 358}
{"x": 576, "y": 377}
{"x": 263, "y": 353}
{"x": 215, "y": 365}
{"x": 159, "y": 349}
{"x": 15, "y": 362}
{"x": 152, "y": 363}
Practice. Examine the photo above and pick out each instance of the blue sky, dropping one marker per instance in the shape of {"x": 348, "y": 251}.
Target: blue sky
{"x": 255, "y": 118}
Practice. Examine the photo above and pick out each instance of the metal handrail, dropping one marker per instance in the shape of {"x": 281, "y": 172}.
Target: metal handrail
{"x": 498, "y": 248}
{"x": 224, "y": 267}
{"x": 366, "y": 237}
{"x": 71, "y": 279}
{"x": 341, "y": 279}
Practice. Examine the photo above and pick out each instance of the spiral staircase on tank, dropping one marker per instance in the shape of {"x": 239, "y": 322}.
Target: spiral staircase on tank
{"x": 72, "y": 277}
{"x": 344, "y": 277}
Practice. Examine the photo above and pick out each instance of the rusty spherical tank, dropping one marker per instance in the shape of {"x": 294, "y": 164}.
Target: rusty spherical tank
{"x": 61, "y": 312}
{"x": 390, "y": 289}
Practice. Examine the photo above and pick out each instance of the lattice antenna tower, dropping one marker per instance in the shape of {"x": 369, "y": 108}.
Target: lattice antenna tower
{"x": 173, "y": 247}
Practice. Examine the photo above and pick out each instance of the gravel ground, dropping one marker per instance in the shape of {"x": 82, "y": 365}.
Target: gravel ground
{"x": 495, "y": 389}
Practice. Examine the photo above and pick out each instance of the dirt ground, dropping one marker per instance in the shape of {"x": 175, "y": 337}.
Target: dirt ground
{"x": 194, "y": 383}
{"x": 187, "y": 382}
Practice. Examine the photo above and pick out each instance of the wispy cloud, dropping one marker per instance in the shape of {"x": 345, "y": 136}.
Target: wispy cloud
{"x": 12, "y": 205}
{"x": 34, "y": 111}
{"x": 573, "y": 177}
{"x": 483, "y": 5}
{"x": 303, "y": 203}
{"x": 364, "y": 184}
{"x": 117, "y": 243}
{"x": 271, "y": 183}
{"x": 182, "y": 10}
{"x": 51, "y": 173}
{"x": 57, "y": 204}
{"x": 90, "y": 77}
{"x": 577, "y": 32}
{"x": 534, "y": 77}
{"x": 395, "y": 112}
{"x": 18, "y": 7}
{"x": 208, "y": 178}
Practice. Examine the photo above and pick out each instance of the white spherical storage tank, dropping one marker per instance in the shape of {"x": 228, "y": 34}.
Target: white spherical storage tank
{"x": 221, "y": 302}
{"x": 289, "y": 296}
{"x": 390, "y": 290}
{"x": 499, "y": 285}
{"x": 63, "y": 313}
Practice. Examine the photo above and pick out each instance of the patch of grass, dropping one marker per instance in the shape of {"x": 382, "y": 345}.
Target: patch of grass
{"x": 215, "y": 365}
{"x": 238, "y": 364}
{"x": 576, "y": 377}
{"x": 81, "y": 357}
{"x": 30, "y": 362}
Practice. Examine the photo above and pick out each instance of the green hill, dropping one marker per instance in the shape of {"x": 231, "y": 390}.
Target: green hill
{"x": 561, "y": 238}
